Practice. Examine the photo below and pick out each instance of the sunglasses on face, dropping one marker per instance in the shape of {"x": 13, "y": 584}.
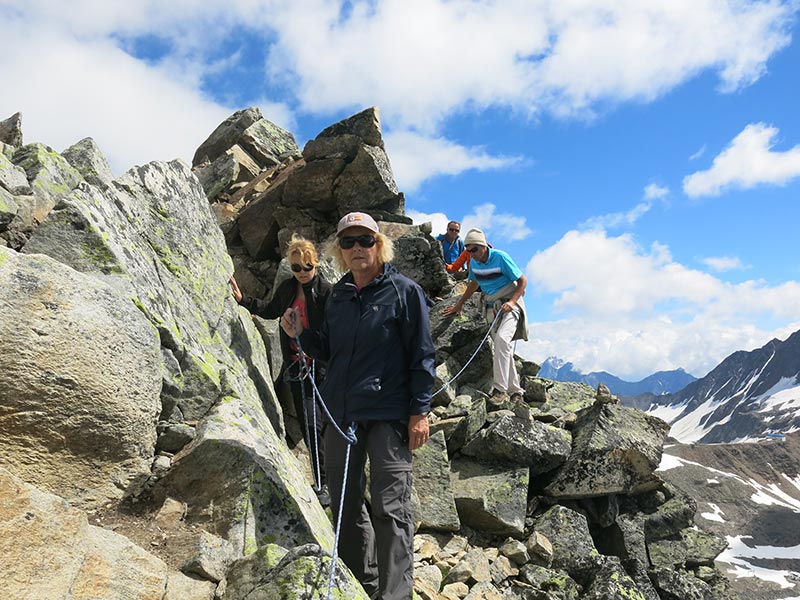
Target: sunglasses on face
{"x": 451, "y": 229}
{"x": 297, "y": 267}
{"x": 348, "y": 241}
{"x": 473, "y": 250}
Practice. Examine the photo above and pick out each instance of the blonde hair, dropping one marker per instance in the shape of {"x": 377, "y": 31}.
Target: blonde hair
{"x": 384, "y": 245}
{"x": 303, "y": 248}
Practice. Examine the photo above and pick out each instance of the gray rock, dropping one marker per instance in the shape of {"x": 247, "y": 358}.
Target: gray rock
{"x": 675, "y": 584}
{"x": 13, "y": 178}
{"x": 243, "y": 484}
{"x": 484, "y": 591}
{"x": 8, "y": 209}
{"x": 539, "y": 549}
{"x": 86, "y": 158}
{"x": 611, "y": 582}
{"x": 367, "y": 182}
{"x": 471, "y": 569}
{"x": 42, "y": 533}
{"x": 11, "y": 130}
{"x": 568, "y": 532}
{"x": 515, "y": 550}
{"x": 365, "y": 126}
{"x": 435, "y": 506}
{"x": 459, "y": 429}
{"x": 490, "y": 498}
{"x": 174, "y": 437}
{"x": 80, "y": 381}
{"x": 211, "y": 557}
{"x": 458, "y": 338}
{"x": 615, "y": 450}
{"x": 312, "y": 185}
{"x": 49, "y": 175}
{"x": 430, "y": 576}
{"x": 675, "y": 514}
{"x": 264, "y": 141}
{"x": 523, "y": 442}
{"x": 549, "y": 583}
{"x": 417, "y": 257}
{"x": 302, "y": 573}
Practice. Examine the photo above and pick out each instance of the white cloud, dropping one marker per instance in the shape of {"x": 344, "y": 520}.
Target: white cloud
{"x": 699, "y": 153}
{"x": 724, "y": 263}
{"x": 498, "y": 227}
{"x": 438, "y": 220}
{"x": 428, "y": 58}
{"x": 417, "y": 157}
{"x": 633, "y": 311}
{"x": 420, "y": 60}
{"x": 747, "y": 161}
{"x": 652, "y": 192}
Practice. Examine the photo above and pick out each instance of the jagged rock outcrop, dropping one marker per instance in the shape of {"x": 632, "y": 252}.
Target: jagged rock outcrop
{"x": 79, "y": 387}
{"x": 554, "y": 496}
{"x": 11, "y": 130}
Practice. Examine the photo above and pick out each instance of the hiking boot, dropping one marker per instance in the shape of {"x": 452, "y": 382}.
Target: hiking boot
{"x": 496, "y": 399}
{"x": 324, "y": 496}
{"x": 517, "y": 397}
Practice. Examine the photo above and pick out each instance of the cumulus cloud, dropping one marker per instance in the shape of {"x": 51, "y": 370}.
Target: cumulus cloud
{"x": 724, "y": 263}
{"x": 747, "y": 161}
{"x": 639, "y": 310}
{"x": 416, "y": 157}
{"x": 561, "y": 57}
{"x": 652, "y": 193}
{"x": 422, "y": 61}
{"x": 498, "y": 227}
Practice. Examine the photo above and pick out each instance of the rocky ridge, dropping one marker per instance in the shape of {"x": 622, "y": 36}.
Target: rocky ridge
{"x": 135, "y": 374}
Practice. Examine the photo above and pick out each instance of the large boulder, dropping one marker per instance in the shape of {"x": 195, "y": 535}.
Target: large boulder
{"x": 49, "y": 550}
{"x": 11, "y": 130}
{"x": 13, "y": 178}
{"x": 515, "y": 440}
{"x": 88, "y": 160}
{"x": 302, "y": 573}
{"x": 49, "y": 174}
{"x": 490, "y": 498}
{"x": 615, "y": 450}
{"x": 433, "y": 502}
{"x": 79, "y": 389}
{"x": 568, "y": 532}
{"x": 266, "y": 143}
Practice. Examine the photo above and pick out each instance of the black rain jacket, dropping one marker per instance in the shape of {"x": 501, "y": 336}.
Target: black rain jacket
{"x": 316, "y": 292}
{"x": 377, "y": 343}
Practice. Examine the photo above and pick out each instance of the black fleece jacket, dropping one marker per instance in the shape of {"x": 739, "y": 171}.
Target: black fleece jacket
{"x": 378, "y": 347}
{"x": 316, "y": 292}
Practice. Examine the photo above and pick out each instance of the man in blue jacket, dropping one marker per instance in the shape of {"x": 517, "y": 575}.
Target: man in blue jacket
{"x": 376, "y": 340}
{"x": 452, "y": 246}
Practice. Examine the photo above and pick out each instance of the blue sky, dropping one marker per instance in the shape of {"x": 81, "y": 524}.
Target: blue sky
{"x": 639, "y": 160}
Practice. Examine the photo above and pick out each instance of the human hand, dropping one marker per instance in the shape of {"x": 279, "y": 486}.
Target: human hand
{"x": 418, "y": 431}
{"x": 291, "y": 323}
{"x": 508, "y": 306}
{"x": 237, "y": 293}
{"x": 453, "y": 309}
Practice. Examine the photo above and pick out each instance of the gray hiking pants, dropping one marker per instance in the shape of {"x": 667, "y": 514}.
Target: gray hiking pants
{"x": 376, "y": 544}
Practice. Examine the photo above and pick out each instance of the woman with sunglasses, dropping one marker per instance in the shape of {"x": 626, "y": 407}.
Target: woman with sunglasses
{"x": 307, "y": 293}
{"x": 377, "y": 342}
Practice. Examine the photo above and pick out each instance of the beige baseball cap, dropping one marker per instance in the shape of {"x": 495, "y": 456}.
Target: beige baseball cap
{"x": 357, "y": 219}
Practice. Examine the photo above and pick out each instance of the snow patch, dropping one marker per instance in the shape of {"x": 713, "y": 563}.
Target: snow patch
{"x": 737, "y": 551}
{"x": 714, "y": 516}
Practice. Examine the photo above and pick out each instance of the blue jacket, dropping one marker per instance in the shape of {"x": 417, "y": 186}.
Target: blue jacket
{"x": 451, "y": 251}
{"x": 378, "y": 347}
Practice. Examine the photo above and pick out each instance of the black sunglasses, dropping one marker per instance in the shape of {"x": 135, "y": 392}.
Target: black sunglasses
{"x": 297, "y": 268}
{"x": 365, "y": 241}
{"x": 473, "y": 250}
{"x": 451, "y": 229}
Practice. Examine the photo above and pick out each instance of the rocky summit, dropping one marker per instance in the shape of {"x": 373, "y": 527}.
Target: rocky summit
{"x": 147, "y": 452}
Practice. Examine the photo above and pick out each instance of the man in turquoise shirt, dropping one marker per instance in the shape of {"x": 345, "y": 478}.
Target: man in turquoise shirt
{"x": 503, "y": 285}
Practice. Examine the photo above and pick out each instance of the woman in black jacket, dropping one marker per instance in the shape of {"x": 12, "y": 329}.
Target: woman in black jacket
{"x": 306, "y": 292}
{"x": 377, "y": 343}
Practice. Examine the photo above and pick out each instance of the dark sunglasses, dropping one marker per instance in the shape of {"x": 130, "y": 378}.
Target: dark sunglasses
{"x": 451, "y": 229}
{"x": 473, "y": 250}
{"x": 365, "y": 241}
{"x": 297, "y": 268}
